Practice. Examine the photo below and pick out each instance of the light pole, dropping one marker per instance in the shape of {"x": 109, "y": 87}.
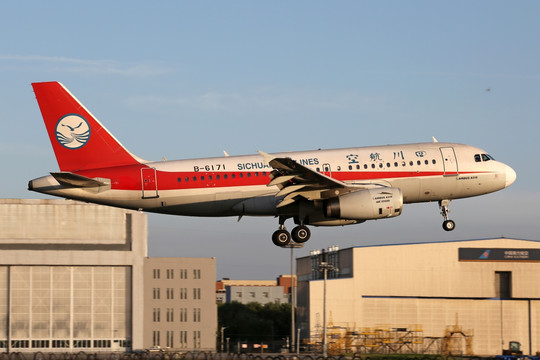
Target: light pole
{"x": 222, "y": 331}
{"x": 324, "y": 266}
{"x": 293, "y": 245}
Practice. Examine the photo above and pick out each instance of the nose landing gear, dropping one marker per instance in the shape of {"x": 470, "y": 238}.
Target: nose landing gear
{"x": 448, "y": 225}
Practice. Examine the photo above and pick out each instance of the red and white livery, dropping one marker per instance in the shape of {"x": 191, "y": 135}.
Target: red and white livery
{"x": 320, "y": 187}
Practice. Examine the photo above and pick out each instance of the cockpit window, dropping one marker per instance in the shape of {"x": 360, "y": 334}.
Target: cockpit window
{"x": 487, "y": 157}
{"x": 483, "y": 157}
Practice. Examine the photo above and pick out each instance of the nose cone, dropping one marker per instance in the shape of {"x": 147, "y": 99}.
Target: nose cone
{"x": 510, "y": 176}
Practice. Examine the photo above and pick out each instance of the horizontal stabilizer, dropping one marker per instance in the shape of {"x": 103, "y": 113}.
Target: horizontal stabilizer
{"x": 73, "y": 180}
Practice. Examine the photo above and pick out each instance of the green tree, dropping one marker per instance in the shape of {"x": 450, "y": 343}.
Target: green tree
{"x": 255, "y": 322}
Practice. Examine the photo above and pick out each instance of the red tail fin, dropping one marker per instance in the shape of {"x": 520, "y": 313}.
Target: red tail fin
{"x": 79, "y": 140}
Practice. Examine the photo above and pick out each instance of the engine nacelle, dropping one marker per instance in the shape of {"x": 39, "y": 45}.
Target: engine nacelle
{"x": 366, "y": 204}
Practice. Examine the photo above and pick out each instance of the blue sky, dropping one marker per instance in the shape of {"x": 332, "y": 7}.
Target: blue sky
{"x": 190, "y": 79}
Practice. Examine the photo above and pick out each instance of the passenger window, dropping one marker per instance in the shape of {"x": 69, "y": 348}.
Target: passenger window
{"x": 194, "y": 178}
{"x": 187, "y": 179}
{"x": 248, "y": 174}
{"x": 257, "y": 174}
{"x": 179, "y": 180}
{"x": 233, "y": 175}
{"x": 209, "y": 177}
{"x": 350, "y": 167}
{"x": 387, "y": 164}
{"x": 477, "y": 158}
{"x": 403, "y": 163}
{"x": 241, "y": 175}
{"x": 426, "y": 162}
{"x": 410, "y": 163}
{"x": 218, "y": 177}
{"x": 357, "y": 167}
{"x": 396, "y": 164}
{"x": 381, "y": 165}
{"x": 418, "y": 162}
{"x": 264, "y": 173}
{"x": 225, "y": 176}
{"x": 365, "y": 166}
{"x": 434, "y": 161}
{"x": 373, "y": 166}
{"x": 318, "y": 169}
{"x": 202, "y": 178}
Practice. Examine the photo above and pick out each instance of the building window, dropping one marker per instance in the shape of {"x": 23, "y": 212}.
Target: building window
{"x": 183, "y": 314}
{"x": 155, "y": 338}
{"x": 196, "y": 293}
{"x": 503, "y": 284}
{"x": 40, "y": 343}
{"x": 183, "y": 293}
{"x": 156, "y": 274}
{"x": 170, "y": 273}
{"x": 170, "y": 337}
{"x": 183, "y": 339}
{"x": 156, "y": 315}
{"x": 102, "y": 343}
{"x": 170, "y": 293}
{"x": 196, "y": 339}
{"x": 183, "y": 273}
{"x": 65, "y": 343}
{"x": 170, "y": 314}
{"x": 196, "y": 273}
{"x": 156, "y": 293}
{"x": 197, "y": 315}
{"x": 265, "y": 294}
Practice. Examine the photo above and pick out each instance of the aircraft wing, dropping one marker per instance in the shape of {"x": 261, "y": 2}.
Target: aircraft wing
{"x": 297, "y": 181}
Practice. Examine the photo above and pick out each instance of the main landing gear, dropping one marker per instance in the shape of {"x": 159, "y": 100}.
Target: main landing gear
{"x": 447, "y": 224}
{"x": 282, "y": 237}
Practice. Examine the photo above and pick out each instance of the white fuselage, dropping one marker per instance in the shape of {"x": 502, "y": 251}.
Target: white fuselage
{"x": 237, "y": 185}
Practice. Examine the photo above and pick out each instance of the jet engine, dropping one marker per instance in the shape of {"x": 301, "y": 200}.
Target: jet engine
{"x": 366, "y": 204}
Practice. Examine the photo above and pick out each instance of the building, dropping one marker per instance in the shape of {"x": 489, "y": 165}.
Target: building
{"x": 466, "y": 297}
{"x": 180, "y": 306}
{"x": 261, "y": 291}
{"x": 73, "y": 277}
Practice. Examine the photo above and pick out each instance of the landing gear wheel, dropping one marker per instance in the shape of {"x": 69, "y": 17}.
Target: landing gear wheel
{"x": 281, "y": 237}
{"x": 301, "y": 234}
{"x": 448, "y": 225}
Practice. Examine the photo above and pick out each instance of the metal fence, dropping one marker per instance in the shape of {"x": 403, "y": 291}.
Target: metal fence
{"x": 160, "y": 355}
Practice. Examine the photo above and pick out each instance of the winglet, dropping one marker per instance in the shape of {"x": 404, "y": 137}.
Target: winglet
{"x": 434, "y": 140}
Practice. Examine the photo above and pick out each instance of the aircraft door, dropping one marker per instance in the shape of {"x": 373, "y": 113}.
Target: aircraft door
{"x": 449, "y": 161}
{"x": 327, "y": 169}
{"x": 149, "y": 183}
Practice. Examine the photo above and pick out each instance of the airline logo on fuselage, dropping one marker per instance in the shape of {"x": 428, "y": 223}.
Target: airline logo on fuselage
{"x": 72, "y": 131}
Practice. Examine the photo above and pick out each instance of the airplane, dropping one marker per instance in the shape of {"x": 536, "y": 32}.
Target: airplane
{"x": 320, "y": 188}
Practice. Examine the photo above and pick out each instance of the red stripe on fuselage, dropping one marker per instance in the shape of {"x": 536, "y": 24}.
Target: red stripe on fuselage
{"x": 129, "y": 177}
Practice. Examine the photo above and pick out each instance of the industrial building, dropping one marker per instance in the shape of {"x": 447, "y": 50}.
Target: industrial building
{"x": 460, "y": 297}
{"x": 76, "y": 277}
